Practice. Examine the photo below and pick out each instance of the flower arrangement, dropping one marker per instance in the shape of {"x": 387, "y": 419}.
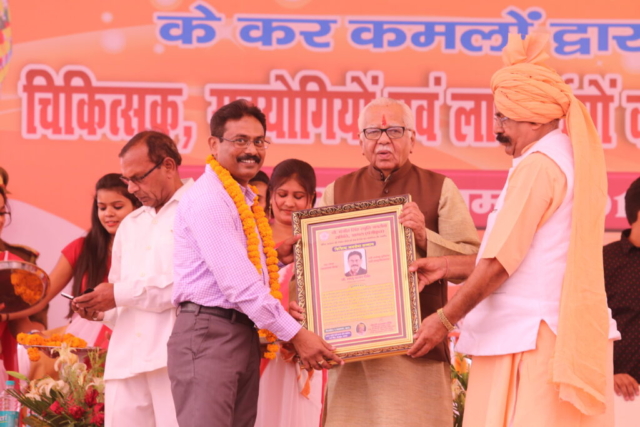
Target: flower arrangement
{"x": 250, "y": 219}
{"x": 77, "y": 399}
{"x": 459, "y": 382}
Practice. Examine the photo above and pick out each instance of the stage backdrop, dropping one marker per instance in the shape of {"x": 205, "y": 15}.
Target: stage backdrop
{"x": 81, "y": 78}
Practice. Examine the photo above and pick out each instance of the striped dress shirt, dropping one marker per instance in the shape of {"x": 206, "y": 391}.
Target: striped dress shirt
{"x": 211, "y": 265}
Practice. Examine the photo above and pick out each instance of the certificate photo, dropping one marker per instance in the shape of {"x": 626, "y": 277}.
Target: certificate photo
{"x": 355, "y": 262}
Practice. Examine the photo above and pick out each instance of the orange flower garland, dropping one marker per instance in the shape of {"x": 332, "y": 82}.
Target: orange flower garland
{"x": 250, "y": 218}
{"x": 54, "y": 340}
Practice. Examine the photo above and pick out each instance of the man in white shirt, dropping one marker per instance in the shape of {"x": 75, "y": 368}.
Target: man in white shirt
{"x": 136, "y": 303}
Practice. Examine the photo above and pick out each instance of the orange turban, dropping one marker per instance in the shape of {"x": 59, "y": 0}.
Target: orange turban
{"x": 527, "y": 90}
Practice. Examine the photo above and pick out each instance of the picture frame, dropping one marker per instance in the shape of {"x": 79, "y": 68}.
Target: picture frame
{"x": 353, "y": 280}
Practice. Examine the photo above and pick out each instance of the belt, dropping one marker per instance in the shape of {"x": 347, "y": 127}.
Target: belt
{"x": 226, "y": 313}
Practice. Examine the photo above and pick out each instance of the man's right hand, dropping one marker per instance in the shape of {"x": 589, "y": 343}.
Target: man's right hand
{"x": 429, "y": 270}
{"x": 313, "y": 351}
{"x": 296, "y": 311}
{"x": 626, "y": 386}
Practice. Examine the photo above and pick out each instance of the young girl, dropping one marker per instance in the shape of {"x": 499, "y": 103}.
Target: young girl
{"x": 87, "y": 260}
{"x": 288, "y": 395}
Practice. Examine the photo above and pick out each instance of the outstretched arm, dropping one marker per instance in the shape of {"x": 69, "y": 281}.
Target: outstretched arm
{"x": 488, "y": 276}
{"x": 60, "y": 276}
{"x": 450, "y": 268}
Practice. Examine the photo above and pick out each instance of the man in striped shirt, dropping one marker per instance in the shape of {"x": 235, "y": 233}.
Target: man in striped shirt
{"x": 214, "y": 351}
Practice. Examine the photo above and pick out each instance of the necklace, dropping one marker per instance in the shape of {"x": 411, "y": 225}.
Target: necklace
{"x": 252, "y": 217}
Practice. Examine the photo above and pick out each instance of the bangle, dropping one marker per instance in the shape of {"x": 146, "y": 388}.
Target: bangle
{"x": 447, "y": 268}
{"x": 445, "y": 321}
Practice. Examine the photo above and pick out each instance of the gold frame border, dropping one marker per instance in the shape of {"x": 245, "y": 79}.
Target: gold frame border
{"x": 301, "y": 220}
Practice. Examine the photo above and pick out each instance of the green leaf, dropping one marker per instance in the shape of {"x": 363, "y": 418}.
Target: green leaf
{"x": 18, "y": 375}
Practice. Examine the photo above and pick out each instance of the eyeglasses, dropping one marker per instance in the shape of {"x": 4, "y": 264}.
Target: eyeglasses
{"x": 393, "y": 132}
{"x": 500, "y": 121}
{"x": 138, "y": 179}
{"x": 261, "y": 143}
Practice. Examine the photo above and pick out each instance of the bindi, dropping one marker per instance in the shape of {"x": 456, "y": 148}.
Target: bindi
{"x": 384, "y": 120}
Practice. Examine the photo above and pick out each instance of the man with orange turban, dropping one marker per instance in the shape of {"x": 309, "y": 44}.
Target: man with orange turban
{"x": 536, "y": 312}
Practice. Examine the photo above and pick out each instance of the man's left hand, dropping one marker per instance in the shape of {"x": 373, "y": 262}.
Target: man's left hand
{"x": 430, "y": 334}
{"x": 101, "y": 299}
{"x": 429, "y": 270}
{"x": 414, "y": 219}
{"x": 285, "y": 250}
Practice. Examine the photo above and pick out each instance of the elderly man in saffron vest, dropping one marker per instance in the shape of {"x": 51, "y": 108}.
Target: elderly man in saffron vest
{"x": 537, "y": 322}
{"x": 399, "y": 390}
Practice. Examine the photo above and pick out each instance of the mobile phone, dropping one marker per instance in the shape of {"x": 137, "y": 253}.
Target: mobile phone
{"x": 67, "y": 295}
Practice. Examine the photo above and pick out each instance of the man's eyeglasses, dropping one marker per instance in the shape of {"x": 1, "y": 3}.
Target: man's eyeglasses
{"x": 261, "y": 143}
{"x": 138, "y": 179}
{"x": 500, "y": 120}
{"x": 393, "y": 132}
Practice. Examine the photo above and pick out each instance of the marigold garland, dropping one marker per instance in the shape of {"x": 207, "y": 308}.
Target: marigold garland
{"x": 252, "y": 217}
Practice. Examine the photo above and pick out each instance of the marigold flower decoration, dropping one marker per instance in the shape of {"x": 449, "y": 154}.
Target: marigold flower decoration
{"x": 55, "y": 340}
{"x": 27, "y": 286}
{"x": 252, "y": 217}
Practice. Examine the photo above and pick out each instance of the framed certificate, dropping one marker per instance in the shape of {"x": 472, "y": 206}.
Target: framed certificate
{"x": 353, "y": 279}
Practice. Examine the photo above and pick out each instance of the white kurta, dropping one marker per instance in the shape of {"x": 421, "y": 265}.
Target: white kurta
{"x": 142, "y": 274}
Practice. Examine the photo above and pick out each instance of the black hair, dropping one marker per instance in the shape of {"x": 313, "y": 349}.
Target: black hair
{"x": 296, "y": 169}
{"x": 632, "y": 201}
{"x": 235, "y": 111}
{"x": 92, "y": 261}
{"x": 159, "y": 146}
{"x": 3, "y": 194}
{"x": 261, "y": 176}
